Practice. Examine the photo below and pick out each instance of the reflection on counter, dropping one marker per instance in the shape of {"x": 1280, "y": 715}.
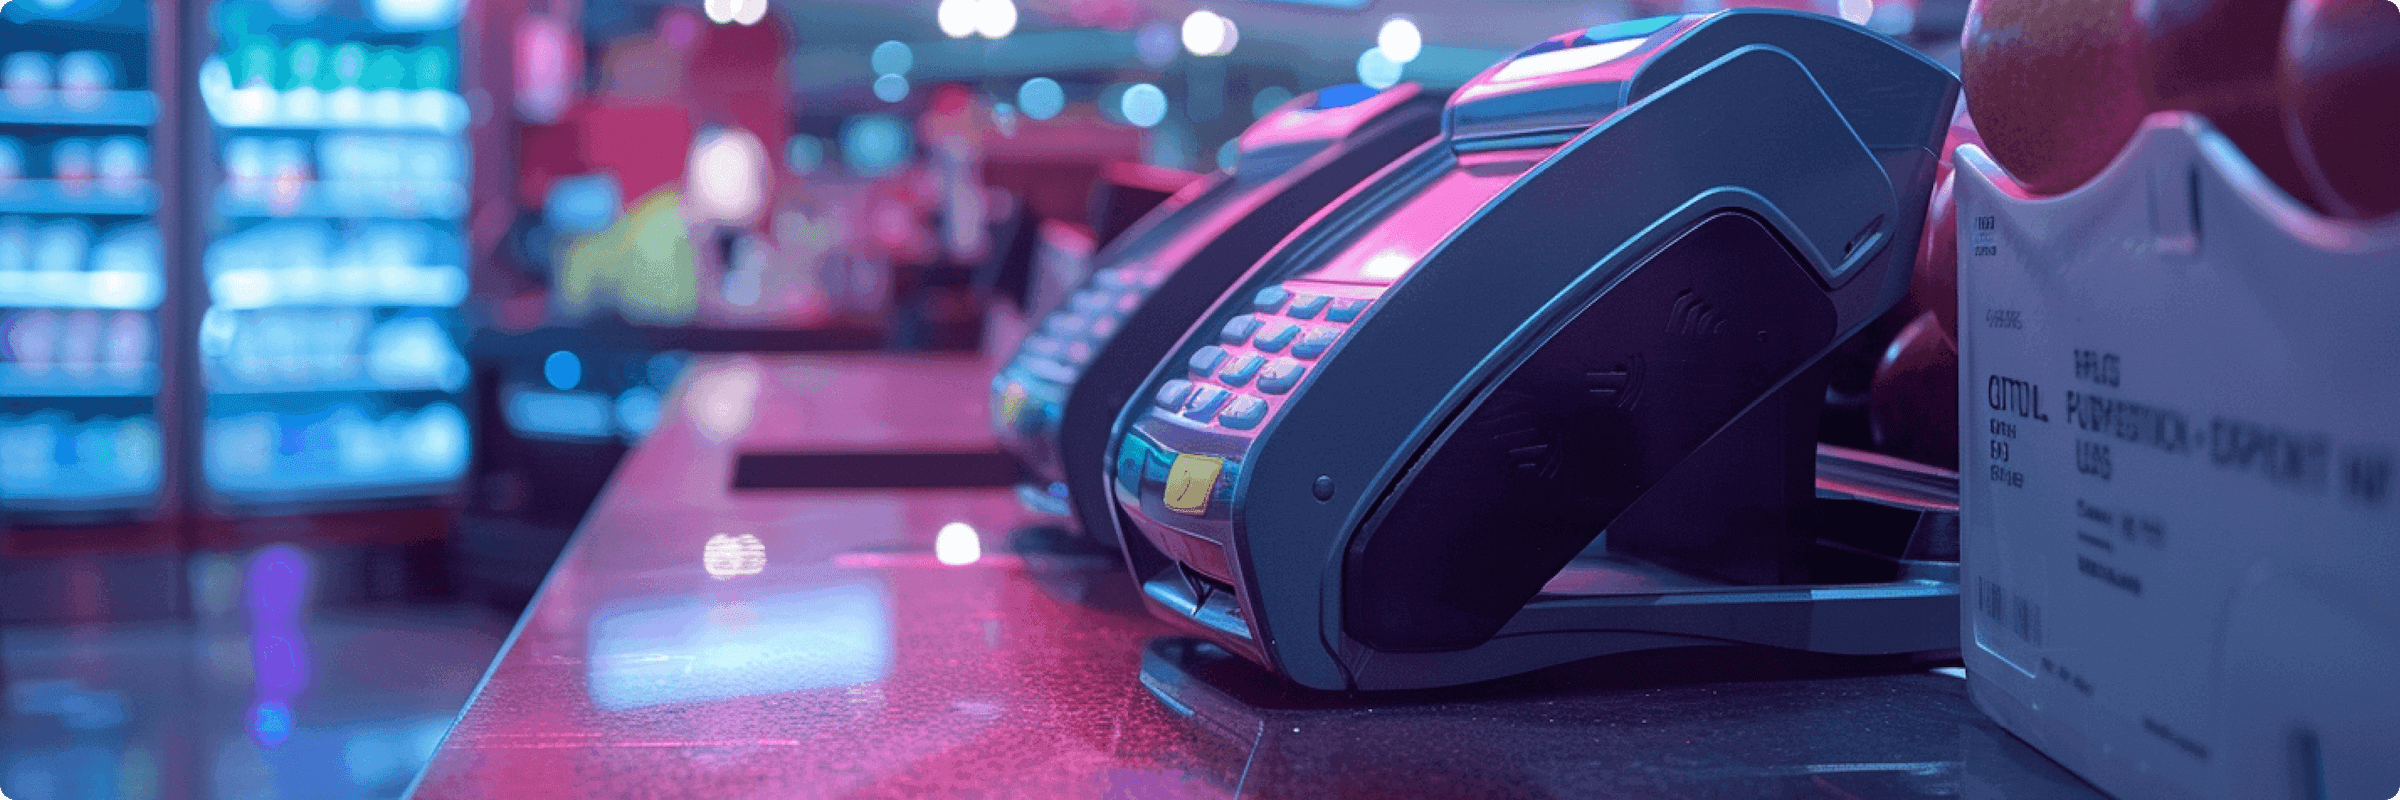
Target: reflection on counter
{"x": 674, "y": 650}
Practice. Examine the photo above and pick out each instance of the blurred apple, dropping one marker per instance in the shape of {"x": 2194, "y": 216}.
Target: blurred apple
{"x": 2055, "y": 86}
{"x": 2340, "y": 86}
{"x": 1913, "y": 407}
{"x": 2218, "y": 58}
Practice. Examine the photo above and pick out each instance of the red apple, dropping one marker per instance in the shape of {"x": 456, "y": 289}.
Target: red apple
{"x": 1934, "y": 286}
{"x": 2218, "y": 58}
{"x": 2055, "y": 86}
{"x": 1913, "y": 406}
{"x": 2340, "y": 86}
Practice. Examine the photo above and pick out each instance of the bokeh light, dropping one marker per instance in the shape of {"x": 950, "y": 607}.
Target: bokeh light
{"x": 957, "y": 544}
{"x": 562, "y": 370}
{"x": 892, "y": 58}
{"x": 749, "y": 12}
{"x": 1155, "y": 45}
{"x": 1269, "y": 99}
{"x": 1377, "y": 70}
{"x": 1144, "y": 105}
{"x": 1207, "y": 33}
{"x": 803, "y": 154}
{"x": 1399, "y": 39}
{"x": 891, "y": 88}
{"x": 956, "y": 18}
{"x": 873, "y": 144}
{"x": 1041, "y": 98}
{"x": 995, "y": 19}
{"x": 727, "y": 175}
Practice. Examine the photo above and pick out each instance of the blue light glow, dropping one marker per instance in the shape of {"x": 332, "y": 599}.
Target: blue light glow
{"x": 563, "y": 370}
{"x": 1143, "y": 105}
{"x": 1269, "y": 99}
{"x": 637, "y": 412}
{"x": 557, "y": 415}
{"x": 839, "y": 635}
{"x": 873, "y": 144}
{"x": 892, "y": 58}
{"x": 1041, "y": 98}
{"x": 891, "y": 88}
{"x": 1377, "y": 70}
{"x": 271, "y": 723}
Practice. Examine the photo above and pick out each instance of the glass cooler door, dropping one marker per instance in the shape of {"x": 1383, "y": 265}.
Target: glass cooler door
{"x": 334, "y": 180}
{"x": 82, "y": 275}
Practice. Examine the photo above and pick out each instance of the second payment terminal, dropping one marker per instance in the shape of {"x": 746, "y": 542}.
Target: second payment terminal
{"x": 1056, "y": 397}
{"x": 1599, "y": 302}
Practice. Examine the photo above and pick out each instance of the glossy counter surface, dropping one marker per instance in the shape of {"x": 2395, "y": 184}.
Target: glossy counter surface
{"x": 696, "y": 642}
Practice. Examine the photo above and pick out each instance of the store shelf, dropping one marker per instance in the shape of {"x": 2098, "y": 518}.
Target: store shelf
{"x": 103, "y": 289}
{"x": 346, "y": 386}
{"x": 426, "y": 111}
{"x": 55, "y": 382}
{"x": 53, "y": 197}
{"x": 118, "y": 109}
{"x": 434, "y": 286}
{"x": 314, "y": 200}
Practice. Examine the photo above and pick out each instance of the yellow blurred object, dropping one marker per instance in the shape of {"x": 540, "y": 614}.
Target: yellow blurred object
{"x": 641, "y": 266}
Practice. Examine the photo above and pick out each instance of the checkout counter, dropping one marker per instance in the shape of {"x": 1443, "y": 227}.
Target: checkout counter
{"x": 699, "y": 640}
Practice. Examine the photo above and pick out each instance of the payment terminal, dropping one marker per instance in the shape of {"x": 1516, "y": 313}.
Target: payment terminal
{"x": 1599, "y": 302}
{"x": 1057, "y": 396}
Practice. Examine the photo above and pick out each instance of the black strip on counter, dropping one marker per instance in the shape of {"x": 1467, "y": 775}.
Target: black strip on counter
{"x": 922, "y": 470}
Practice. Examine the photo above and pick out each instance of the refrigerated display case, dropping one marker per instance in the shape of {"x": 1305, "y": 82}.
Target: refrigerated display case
{"x": 333, "y": 258}
{"x": 82, "y": 278}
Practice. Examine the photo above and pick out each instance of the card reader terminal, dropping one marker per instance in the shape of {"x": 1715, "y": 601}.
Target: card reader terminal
{"x": 1598, "y": 302}
{"x": 1056, "y": 398}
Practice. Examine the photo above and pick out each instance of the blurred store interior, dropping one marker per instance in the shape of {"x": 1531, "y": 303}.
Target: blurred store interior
{"x": 325, "y": 324}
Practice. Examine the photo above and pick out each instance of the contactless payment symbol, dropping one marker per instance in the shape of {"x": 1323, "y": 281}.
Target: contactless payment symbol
{"x": 1190, "y": 481}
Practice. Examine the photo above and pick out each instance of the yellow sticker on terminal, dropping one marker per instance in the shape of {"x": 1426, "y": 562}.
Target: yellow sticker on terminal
{"x": 1190, "y": 481}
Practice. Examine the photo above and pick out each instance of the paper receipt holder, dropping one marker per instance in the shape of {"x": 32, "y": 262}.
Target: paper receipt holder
{"x": 1622, "y": 332}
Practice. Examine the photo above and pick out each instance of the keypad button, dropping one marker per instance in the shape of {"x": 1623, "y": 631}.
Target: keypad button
{"x": 1314, "y": 342}
{"x": 1104, "y": 326}
{"x": 1112, "y": 278}
{"x": 1128, "y": 301}
{"x": 1238, "y": 329}
{"x": 1346, "y": 309}
{"x": 1306, "y": 306}
{"x": 1088, "y": 300}
{"x": 1045, "y": 346}
{"x": 1079, "y": 352}
{"x": 1205, "y": 402}
{"x": 1173, "y": 395}
{"x": 1275, "y": 337}
{"x": 1281, "y": 375}
{"x": 1207, "y": 360}
{"x": 1269, "y": 299}
{"x": 1243, "y": 412}
{"x": 1241, "y": 370}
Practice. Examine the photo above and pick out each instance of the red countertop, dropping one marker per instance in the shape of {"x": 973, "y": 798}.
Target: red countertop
{"x": 822, "y": 647}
